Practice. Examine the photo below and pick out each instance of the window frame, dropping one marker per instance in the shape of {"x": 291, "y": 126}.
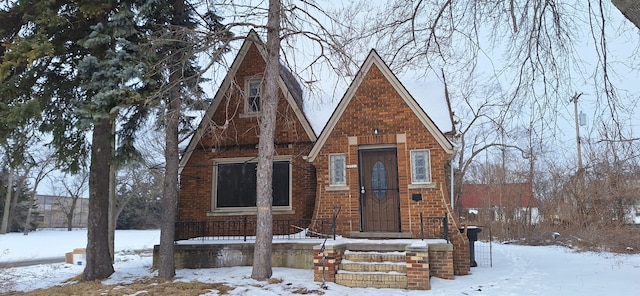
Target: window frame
{"x": 214, "y": 210}
{"x": 413, "y": 155}
{"x": 332, "y": 169}
{"x": 249, "y": 110}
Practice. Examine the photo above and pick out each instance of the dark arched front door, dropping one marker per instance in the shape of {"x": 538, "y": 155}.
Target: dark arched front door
{"x": 379, "y": 196}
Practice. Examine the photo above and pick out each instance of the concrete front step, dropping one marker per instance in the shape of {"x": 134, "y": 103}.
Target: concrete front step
{"x": 372, "y": 280}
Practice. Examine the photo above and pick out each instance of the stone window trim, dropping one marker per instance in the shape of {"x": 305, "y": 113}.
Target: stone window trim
{"x": 337, "y": 188}
{"x": 246, "y": 212}
{"x": 422, "y": 186}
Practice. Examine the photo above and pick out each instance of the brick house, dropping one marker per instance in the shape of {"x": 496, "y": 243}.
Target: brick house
{"x": 499, "y": 202}
{"x": 379, "y": 158}
{"x": 382, "y": 160}
{"x": 217, "y": 170}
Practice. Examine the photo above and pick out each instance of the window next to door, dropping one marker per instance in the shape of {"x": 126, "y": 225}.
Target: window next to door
{"x": 234, "y": 186}
{"x": 337, "y": 172}
{"x": 420, "y": 168}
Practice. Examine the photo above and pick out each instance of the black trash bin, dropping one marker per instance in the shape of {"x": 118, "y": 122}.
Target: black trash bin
{"x": 472, "y": 235}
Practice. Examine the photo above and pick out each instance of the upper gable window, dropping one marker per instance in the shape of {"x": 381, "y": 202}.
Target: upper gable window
{"x": 252, "y": 104}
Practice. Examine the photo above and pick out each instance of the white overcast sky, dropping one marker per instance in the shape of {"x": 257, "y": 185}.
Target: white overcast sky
{"x": 622, "y": 38}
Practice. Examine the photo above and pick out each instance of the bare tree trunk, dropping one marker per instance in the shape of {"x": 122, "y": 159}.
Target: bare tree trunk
{"x": 166, "y": 262}
{"x": 71, "y": 212}
{"x": 70, "y": 221}
{"x": 98, "y": 257}
{"x": 32, "y": 201}
{"x": 27, "y": 223}
{"x": 170, "y": 192}
{"x": 73, "y": 189}
{"x": 264, "y": 193}
{"x": 7, "y": 203}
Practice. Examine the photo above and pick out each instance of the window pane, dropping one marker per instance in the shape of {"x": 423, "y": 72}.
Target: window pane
{"x": 420, "y": 169}
{"x": 236, "y": 184}
{"x": 254, "y": 104}
{"x": 281, "y": 183}
{"x": 337, "y": 169}
{"x": 379, "y": 180}
{"x": 254, "y": 89}
{"x": 253, "y": 97}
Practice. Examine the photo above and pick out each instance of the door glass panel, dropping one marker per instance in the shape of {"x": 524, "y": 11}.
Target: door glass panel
{"x": 379, "y": 180}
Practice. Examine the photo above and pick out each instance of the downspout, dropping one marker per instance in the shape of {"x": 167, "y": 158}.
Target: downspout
{"x": 452, "y": 132}
{"x": 452, "y": 180}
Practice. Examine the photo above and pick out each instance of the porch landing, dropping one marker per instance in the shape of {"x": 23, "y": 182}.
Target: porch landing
{"x": 381, "y": 235}
{"x": 337, "y": 261}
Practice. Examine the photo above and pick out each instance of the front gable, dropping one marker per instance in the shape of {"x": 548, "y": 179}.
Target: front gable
{"x": 217, "y": 170}
{"x": 229, "y": 121}
{"x": 364, "y": 109}
{"x": 380, "y": 158}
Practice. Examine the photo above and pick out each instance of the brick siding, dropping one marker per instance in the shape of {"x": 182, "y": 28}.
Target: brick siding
{"x": 391, "y": 115}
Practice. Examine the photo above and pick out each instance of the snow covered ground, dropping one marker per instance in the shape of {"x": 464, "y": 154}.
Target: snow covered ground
{"x": 517, "y": 270}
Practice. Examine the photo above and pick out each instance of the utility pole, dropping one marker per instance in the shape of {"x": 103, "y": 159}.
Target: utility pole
{"x": 575, "y": 109}
{"x": 580, "y": 194}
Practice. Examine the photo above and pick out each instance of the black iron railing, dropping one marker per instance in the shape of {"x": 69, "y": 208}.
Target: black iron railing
{"x": 434, "y": 227}
{"x": 336, "y": 212}
{"x": 244, "y": 229}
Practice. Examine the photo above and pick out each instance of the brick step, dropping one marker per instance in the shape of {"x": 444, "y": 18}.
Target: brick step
{"x": 372, "y": 280}
{"x": 372, "y": 256}
{"x": 376, "y": 269}
{"x": 399, "y": 267}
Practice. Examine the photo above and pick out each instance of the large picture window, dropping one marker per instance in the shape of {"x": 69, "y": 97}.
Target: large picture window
{"x": 236, "y": 185}
{"x": 337, "y": 169}
{"x": 420, "y": 166}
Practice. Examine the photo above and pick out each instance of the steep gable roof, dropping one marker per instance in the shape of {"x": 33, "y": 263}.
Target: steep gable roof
{"x": 286, "y": 81}
{"x": 374, "y": 59}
